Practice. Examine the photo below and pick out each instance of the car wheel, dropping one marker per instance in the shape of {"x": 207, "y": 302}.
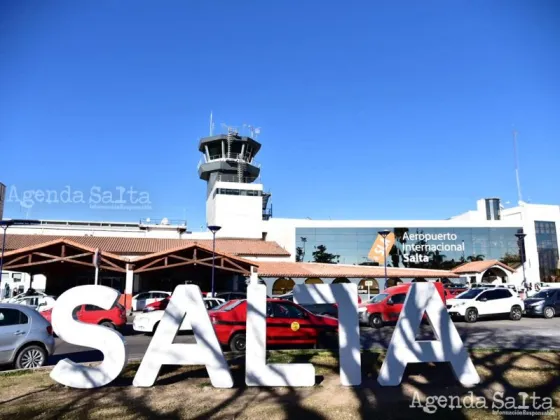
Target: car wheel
{"x": 548, "y": 312}
{"x": 325, "y": 341}
{"x": 31, "y": 357}
{"x": 108, "y": 324}
{"x": 471, "y": 315}
{"x": 238, "y": 342}
{"x": 375, "y": 321}
{"x": 515, "y": 313}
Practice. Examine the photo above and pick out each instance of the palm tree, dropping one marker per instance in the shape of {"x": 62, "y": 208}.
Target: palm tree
{"x": 472, "y": 258}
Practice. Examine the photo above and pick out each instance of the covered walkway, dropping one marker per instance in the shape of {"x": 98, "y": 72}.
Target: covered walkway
{"x": 488, "y": 271}
{"x": 281, "y": 277}
{"x": 67, "y": 263}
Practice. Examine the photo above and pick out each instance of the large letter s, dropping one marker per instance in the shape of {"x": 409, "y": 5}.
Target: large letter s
{"x": 109, "y": 342}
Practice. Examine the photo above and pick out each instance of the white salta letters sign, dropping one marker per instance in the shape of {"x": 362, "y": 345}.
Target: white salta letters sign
{"x": 206, "y": 351}
{"x": 403, "y": 349}
{"x": 257, "y": 372}
{"x": 109, "y": 342}
{"x": 346, "y": 296}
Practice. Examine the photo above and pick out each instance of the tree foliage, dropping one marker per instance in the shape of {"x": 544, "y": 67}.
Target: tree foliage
{"x": 320, "y": 255}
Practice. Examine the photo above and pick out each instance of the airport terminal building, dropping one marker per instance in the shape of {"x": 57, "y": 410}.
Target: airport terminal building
{"x": 483, "y": 244}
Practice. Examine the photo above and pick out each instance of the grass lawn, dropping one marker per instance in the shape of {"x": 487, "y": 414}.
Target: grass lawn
{"x": 186, "y": 392}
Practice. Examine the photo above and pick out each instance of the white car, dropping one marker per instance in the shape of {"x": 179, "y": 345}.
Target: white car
{"x": 28, "y": 294}
{"x": 141, "y": 300}
{"x": 475, "y": 303}
{"x": 38, "y": 301}
{"x": 148, "y": 320}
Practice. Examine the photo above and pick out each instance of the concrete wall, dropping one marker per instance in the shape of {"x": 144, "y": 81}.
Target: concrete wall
{"x": 528, "y": 214}
{"x": 21, "y": 282}
{"x": 240, "y": 216}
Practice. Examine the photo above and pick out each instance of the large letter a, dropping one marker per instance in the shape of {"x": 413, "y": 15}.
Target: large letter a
{"x": 404, "y": 349}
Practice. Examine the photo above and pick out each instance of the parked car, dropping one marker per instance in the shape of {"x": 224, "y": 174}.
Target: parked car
{"x": 27, "y": 294}
{"x": 141, "y": 300}
{"x": 114, "y": 318}
{"x": 386, "y": 307}
{"x": 148, "y": 320}
{"x": 227, "y": 296}
{"x": 545, "y": 303}
{"x": 286, "y": 323}
{"x": 482, "y": 302}
{"x": 26, "y": 338}
{"x": 452, "y": 291}
{"x": 330, "y": 309}
{"x": 37, "y": 302}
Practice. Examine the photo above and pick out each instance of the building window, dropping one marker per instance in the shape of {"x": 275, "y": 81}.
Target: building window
{"x": 547, "y": 247}
{"x": 415, "y": 247}
{"x": 16, "y": 277}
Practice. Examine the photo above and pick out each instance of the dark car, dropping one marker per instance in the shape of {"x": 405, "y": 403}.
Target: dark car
{"x": 227, "y": 296}
{"x": 330, "y": 309}
{"x": 546, "y": 303}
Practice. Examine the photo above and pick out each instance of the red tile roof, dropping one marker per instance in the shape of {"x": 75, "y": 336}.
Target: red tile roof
{"x": 141, "y": 246}
{"x": 56, "y": 242}
{"x": 293, "y": 269}
{"x": 480, "y": 267}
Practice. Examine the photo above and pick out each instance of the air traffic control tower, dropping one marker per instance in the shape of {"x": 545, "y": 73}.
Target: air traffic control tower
{"x": 235, "y": 200}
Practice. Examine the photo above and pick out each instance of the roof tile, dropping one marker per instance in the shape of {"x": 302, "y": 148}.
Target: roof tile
{"x": 481, "y": 266}
{"x": 293, "y": 269}
{"x": 141, "y": 246}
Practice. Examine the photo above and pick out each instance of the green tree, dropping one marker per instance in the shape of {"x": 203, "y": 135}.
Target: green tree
{"x": 436, "y": 259}
{"x": 320, "y": 255}
{"x": 478, "y": 257}
{"x": 299, "y": 254}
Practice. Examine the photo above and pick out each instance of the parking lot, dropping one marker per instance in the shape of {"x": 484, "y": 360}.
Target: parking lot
{"x": 527, "y": 334}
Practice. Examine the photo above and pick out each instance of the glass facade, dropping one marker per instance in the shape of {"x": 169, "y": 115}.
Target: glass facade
{"x": 547, "y": 247}
{"x": 436, "y": 248}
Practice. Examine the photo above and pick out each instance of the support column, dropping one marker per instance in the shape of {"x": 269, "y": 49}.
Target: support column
{"x": 254, "y": 278}
{"x": 129, "y": 283}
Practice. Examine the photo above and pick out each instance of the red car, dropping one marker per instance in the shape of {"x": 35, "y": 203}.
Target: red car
{"x": 387, "y": 306}
{"x": 114, "y": 318}
{"x": 451, "y": 292}
{"x": 286, "y": 323}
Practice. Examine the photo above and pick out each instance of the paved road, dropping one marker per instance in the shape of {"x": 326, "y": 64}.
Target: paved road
{"x": 529, "y": 333}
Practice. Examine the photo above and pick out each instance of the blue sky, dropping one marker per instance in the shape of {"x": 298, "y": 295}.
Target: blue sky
{"x": 368, "y": 109}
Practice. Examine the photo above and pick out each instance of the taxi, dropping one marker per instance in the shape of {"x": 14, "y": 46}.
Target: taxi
{"x": 287, "y": 323}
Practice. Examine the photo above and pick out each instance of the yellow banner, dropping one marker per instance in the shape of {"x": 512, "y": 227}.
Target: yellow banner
{"x": 377, "y": 253}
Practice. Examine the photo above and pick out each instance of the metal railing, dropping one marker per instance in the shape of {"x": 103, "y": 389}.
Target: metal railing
{"x": 237, "y": 157}
{"x": 149, "y": 221}
{"x": 244, "y": 180}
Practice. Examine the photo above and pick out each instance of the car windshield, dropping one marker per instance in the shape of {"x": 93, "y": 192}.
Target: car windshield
{"x": 543, "y": 294}
{"x": 228, "y": 306}
{"x": 469, "y": 294}
{"x": 378, "y": 298}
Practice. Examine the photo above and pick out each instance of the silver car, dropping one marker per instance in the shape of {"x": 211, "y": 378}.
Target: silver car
{"x": 26, "y": 338}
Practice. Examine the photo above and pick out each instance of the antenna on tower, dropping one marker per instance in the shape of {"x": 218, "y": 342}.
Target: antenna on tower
{"x": 253, "y": 131}
{"x": 211, "y": 124}
{"x": 519, "y": 197}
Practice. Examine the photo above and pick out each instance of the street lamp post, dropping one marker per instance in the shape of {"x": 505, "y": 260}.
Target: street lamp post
{"x": 213, "y": 229}
{"x": 5, "y": 224}
{"x": 521, "y": 240}
{"x": 384, "y": 234}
